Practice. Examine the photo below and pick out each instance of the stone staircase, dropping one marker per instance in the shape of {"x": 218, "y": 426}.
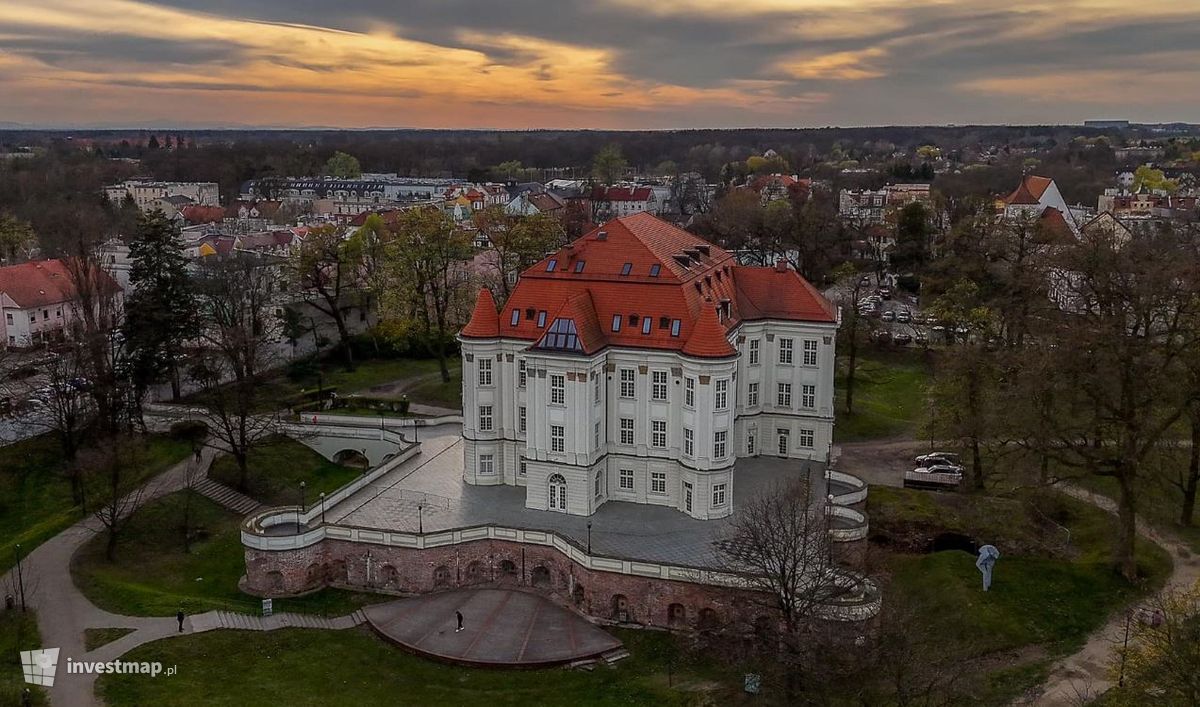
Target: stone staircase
{"x": 246, "y": 622}
{"x": 228, "y": 497}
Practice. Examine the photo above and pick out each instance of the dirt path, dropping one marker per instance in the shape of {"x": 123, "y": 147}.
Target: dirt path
{"x": 1084, "y": 675}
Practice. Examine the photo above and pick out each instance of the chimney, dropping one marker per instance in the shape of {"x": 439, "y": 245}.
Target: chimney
{"x": 602, "y": 236}
{"x": 781, "y": 265}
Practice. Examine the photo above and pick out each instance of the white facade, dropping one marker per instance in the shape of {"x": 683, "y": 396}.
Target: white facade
{"x": 645, "y": 425}
{"x": 145, "y": 194}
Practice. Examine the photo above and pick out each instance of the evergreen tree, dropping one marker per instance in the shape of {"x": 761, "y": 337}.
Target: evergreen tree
{"x": 160, "y": 311}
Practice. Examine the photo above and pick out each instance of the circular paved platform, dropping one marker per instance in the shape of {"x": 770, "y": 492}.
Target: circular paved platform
{"x": 501, "y": 628}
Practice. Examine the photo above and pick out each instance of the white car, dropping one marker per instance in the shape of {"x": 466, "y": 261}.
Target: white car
{"x": 939, "y": 469}
{"x": 938, "y": 457}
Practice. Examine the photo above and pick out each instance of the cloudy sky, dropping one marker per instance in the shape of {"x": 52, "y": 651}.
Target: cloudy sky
{"x": 597, "y": 63}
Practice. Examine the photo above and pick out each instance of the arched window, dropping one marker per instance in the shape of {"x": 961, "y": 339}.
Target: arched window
{"x": 558, "y": 493}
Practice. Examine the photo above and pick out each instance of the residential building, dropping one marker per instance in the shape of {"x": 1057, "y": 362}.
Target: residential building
{"x": 639, "y": 363}
{"x": 146, "y": 193}
{"x": 39, "y": 302}
{"x": 872, "y": 206}
{"x": 618, "y": 201}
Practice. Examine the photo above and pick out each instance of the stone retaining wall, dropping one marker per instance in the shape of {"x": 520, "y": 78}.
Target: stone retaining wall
{"x": 606, "y": 596}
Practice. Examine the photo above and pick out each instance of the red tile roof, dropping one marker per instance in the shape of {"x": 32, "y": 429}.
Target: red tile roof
{"x": 600, "y": 193}
{"x": 484, "y": 322}
{"x": 1030, "y": 190}
{"x": 708, "y": 338}
{"x": 690, "y": 276}
{"x": 198, "y": 213}
{"x": 42, "y": 282}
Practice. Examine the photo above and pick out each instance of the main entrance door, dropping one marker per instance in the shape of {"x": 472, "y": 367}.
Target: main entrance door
{"x": 558, "y": 493}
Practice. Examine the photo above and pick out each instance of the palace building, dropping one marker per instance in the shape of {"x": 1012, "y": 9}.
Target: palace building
{"x": 639, "y": 363}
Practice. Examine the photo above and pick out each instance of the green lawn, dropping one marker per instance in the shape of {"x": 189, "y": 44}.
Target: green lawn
{"x": 352, "y": 668}
{"x": 35, "y": 493}
{"x": 18, "y": 632}
{"x": 889, "y": 395}
{"x": 1047, "y": 596}
{"x": 437, "y": 393}
{"x": 93, "y": 638}
{"x": 1158, "y": 502}
{"x": 153, "y": 576}
{"x": 278, "y": 467}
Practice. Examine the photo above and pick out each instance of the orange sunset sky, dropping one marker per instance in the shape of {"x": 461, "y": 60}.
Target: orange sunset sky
{"x": 596, "y": 63}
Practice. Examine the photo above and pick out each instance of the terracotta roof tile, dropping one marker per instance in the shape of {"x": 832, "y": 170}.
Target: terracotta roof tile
{"x": 708, "y": 338}
{"x": 42, "y": 282}
{"x": 484, "y": 322}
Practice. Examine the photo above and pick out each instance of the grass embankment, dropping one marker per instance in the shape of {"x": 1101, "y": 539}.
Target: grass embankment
{"x": 276, "y": 468}
{"x": 352, "y": 668}
{"x": 18, "y": 632}
{"x": 35, "y": 489}
{"x": 1053, "y": 585}
{"x": 889, "y": 395}
{"x": 154, "y": 576}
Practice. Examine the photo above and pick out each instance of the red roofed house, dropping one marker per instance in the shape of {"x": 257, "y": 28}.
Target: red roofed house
{"x": 615, "y": 202}
{"x": 639, "y": 363}
{"x": 1033, "y": 196}
{"x": 38, "y": 299}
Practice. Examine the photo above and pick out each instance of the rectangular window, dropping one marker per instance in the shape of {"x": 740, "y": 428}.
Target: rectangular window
{"x": 627, "y": 479}
{"x": 579, "y": 265}
{"x": 806, "y": 438}
{"x": 516, "y": 317}
{"x": 599, "y": 484}
{"x": 485, "y": 371}
{"x": 719, "y": 444}
{"x": 616, "y": 326}
{"x": 596, "y": 388}
{"x": 718, "y": 495}
{"x": 754, "y": 343}
{"x": 521, "y": 468}
{"x": 674, "y": 327}
{"x": 521, "y": 419}
{"x": 557, "y": 440}
{"x": 626, "y": 268}
{"x": 485, "y": 418}
{"x": 721, "y": 400}
{"x": 808, "y": 396}
{"x": 558, "y": 389}
{"x": 785, "y": 351}
{"x": 658, "y": 434}
{"x": 8, "y": 316}
{"x": 32, "y": 317}
{"x": 810, "y": 352}
{"x": 783, "y": 396}
{"x": 655, "y": 269}
{"x": 689, "y": 442}
{"x": 783, "y": 441}
{"x": 521, "y": 375}
{"x": 689, "y": 392}
{"x": 627, "y": 380}
{"x": 551, "y": 265}
{"x": 541, "y": 319}
{"x": 45, "y": 314}
{"x": 752, "y": 395}
{"x": 658, "y": 388}
{"x": 487, "y": 464}
{"x": 658, "y": 482}
{"x": 627, "y": 430}
{"x": 596, "y": 435}
{"x": 647, "y": 322}
{"x": 750, "y": 444}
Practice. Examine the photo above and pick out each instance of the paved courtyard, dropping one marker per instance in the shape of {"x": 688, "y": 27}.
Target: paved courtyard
{"x": 433, "y": 481}
{"x": 500, "y": 627}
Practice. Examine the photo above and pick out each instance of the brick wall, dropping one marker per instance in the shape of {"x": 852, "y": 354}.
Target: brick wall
{"x": 602, "y": 595}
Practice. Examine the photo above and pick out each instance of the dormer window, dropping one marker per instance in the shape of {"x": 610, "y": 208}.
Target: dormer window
{"x": 616, "y": 325}
{"x": 646, "y": 324}
{"x": 516, "y": 317}
{"x": 655, "y": 269}
{"x": 530, "y": 313}
{"x": 579, "y": 265}
{"x": 664, "y": 322}
{"x": 675, "y": 327}
{"x": 551, "y": 265}
{"x": 541, "y": 319}
{"x": 626, "y": 268}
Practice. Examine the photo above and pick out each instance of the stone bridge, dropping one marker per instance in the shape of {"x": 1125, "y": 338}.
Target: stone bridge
{"x": 342, "y": 444}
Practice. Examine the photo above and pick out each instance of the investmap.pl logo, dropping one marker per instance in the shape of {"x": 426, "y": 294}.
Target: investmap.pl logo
{"x": 39, "y": 667}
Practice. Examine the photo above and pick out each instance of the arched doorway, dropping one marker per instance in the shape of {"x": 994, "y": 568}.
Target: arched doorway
{"x": 441, "y": 576}
{"x": 540, "y": 577}
{"x": 557, "y": 487}
{"x": 676, "y": 615}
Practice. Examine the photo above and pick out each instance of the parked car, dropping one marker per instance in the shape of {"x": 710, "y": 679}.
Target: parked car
{"x": 922, "y": 338}
{"x": 935, "y": 457}
{"x": 903, "y": 338}
{"x": 885, "y": 292}
{"x": 865, "y": 280}
{"x": 881, "y": 335}
{"x": 918, "y": 318}
{"x": 904, "y": 316}
{"x": 939, "y": 469}
{"x": 888, "y": 316}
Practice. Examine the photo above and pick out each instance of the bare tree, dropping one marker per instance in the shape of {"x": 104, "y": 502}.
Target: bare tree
{"x": 94, "y": 327}
{"x": 114, "y": 461}
{"x": 327, "y": 270}
{"x": 236, "y": 296}
{"x": 69, "y": 411}
{"x": 1160, "y": 663}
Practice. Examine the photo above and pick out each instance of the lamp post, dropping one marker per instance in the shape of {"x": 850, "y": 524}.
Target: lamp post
{"x": 322, "y": 508}
{"x": 303, "y": 486}
{"x": 420, "y": 519}
{"x": 589, "y": 527}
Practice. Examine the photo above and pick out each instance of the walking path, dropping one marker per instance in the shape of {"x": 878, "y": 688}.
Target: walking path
{"x": 227, "y": 496}
{"x": 64, "y": 613}
{"x": 1084, "y": 675}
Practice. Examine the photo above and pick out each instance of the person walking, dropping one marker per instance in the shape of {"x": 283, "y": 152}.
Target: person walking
{"x": 459, "y": 616}
{"x": 179, "y": 617}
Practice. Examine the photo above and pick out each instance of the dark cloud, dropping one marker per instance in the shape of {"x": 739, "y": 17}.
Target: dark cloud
{"x": 86, "y": 50}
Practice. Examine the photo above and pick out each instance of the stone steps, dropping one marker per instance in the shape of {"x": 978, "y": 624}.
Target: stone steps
{"x": 229, "y": 498}
{"x": 246, "y": 622}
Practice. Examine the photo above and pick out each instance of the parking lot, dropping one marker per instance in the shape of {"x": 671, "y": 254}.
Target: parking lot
{"x": 893, "y": 316}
